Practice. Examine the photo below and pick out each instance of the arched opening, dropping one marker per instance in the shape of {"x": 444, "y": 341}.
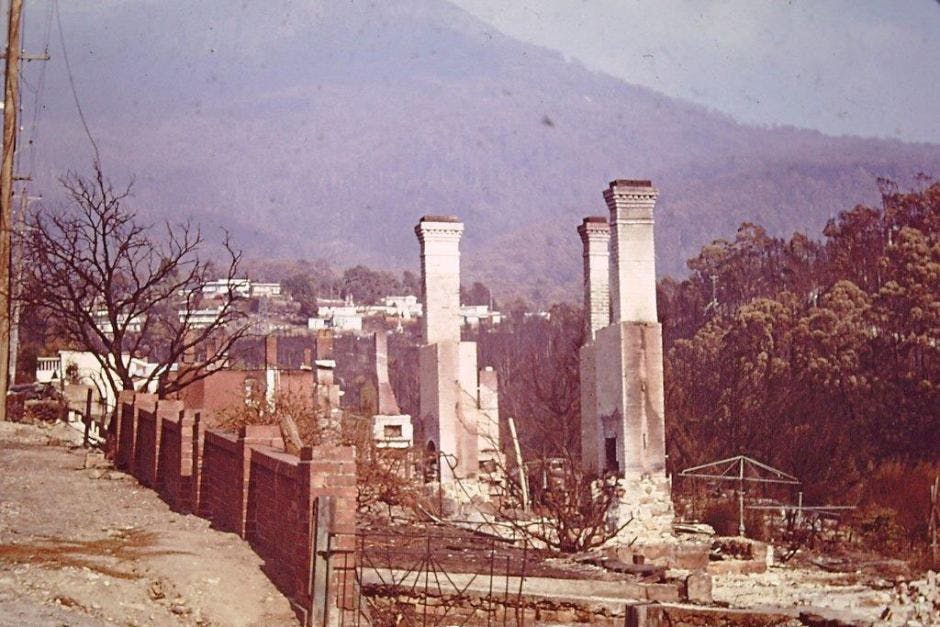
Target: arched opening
{"x": 431, "y": 463}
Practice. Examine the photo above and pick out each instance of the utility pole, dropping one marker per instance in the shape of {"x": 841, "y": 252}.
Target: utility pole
{"x": 10, "y": 103}
{"x": 16, "y": 281}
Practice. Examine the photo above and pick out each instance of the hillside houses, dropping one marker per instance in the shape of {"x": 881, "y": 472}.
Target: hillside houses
{"x": 347, "y": 316}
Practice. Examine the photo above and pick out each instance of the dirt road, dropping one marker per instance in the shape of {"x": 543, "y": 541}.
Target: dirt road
{"x": 91, "y": 547}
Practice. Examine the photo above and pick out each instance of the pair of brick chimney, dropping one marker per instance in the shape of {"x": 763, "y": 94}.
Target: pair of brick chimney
{"x": 622, "y": 425}
{"x": 622, "y": 404}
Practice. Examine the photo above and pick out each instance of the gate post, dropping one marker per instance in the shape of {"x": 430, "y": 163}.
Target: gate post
{"x": 321, "y": 530}
{"x": 644, "y": 615}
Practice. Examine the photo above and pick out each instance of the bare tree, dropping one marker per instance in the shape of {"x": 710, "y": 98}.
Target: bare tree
{"x": 111, "y": 287}
{"x": 572, "y": 511}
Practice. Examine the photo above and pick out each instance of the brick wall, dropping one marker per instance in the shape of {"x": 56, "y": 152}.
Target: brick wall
{"x": 279, "y": 516}
{"x": 245, "y": 483}
{"x": 131, "y": 406}
{"x": 220, "y": 481}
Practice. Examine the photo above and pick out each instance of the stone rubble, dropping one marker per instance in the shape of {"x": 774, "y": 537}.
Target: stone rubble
{"x": 913, "y": 603}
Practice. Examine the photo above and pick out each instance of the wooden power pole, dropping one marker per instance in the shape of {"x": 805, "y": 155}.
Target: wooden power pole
{"x": 10, "y": 103}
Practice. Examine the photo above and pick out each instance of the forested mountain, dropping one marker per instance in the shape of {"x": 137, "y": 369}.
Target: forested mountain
{"x": 324, "y": 130}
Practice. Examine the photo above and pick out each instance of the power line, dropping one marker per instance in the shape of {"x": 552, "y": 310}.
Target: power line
{"x": 33, "y": 137}
{"x": 68, "y": 68}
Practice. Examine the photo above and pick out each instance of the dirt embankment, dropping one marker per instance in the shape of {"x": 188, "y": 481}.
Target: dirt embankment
{"x": 89, "y": 547}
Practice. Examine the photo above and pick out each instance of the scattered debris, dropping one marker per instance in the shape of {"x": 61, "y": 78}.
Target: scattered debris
{"x": 156, "y": 590}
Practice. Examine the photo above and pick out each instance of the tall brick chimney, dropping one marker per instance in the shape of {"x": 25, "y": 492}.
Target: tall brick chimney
{"x": 270, "y": 351}
{"x": 632, "y": 255}
{"x": 595, "y": 238}
{"x": 440, "y": 277}
{"x": 324, "y": 344}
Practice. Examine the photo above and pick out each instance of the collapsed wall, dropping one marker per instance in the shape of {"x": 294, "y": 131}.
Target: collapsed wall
{"x": 621, "y": 369}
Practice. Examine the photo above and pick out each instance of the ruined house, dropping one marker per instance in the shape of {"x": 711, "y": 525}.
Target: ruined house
{"x": 621, "y": 361}
{"x": 263, "y": 369}
{"x": 458, "y": 402}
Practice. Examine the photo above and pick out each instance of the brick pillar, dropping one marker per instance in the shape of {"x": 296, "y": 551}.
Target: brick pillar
{"x": 249, "y": 436}
{"x": 439, "y": 360}
{"x": 386, "y": 404}
{"x": 488, "y": 402}
{"x": 199, "y": 440}
{"x": 333, "y": 474}
{"x": 125, "y": 398}
{"x": 595, "y": 240}
{"x": 270, "y": 351}
{"x": 632, "y": 255}
{"x": 165, "y": 409}
{"x": 129, "y": 414}
{"x": 186, "y": 491}
{"x": 324, "y": 345}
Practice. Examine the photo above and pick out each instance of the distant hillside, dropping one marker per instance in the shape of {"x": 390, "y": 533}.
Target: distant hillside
{"x": 327, "y": 131}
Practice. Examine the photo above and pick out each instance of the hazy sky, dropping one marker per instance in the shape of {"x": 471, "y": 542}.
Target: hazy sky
{"x": 839, "y": 66}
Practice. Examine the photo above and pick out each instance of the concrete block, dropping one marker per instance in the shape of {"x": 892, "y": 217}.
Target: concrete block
{"x": 697, "y": 588}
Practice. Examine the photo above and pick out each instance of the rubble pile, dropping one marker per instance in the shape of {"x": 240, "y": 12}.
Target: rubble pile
{"x": 914, "y": 603}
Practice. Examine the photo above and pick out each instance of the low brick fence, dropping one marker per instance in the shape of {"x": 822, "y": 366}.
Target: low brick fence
{"x": 298, "y": 513}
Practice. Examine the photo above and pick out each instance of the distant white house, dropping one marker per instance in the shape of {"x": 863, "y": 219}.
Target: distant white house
{"x": 544, "y": 315}
{"x": 222, "y": 287}
{"x": 341, "y": 317}
{"x": 258, "y": 290}
{"x": 473, "y": 315}
{"x": 200, "y": 318}
{"x": 81, "y": 367}
{"x": 317, "y": 323}
{"x": 405, "y": 307}
{"x": 103, "y": 322}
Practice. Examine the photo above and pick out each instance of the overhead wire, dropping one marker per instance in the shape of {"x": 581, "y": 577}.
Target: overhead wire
{"x": 68, "y": 69}
{"x": 38, "y": 105}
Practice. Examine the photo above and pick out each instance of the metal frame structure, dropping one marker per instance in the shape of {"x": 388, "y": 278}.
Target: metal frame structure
{"x": 736, "y": 469}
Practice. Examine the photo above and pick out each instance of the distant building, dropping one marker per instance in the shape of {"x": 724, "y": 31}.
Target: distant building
{"x": 405, "y": 307}
{"x": 544, "y": 315}
{"x": 83, "y": 368}
{"x": 103, "y": 322}
{"x": 317, "y": 323}
{"x": 344, "y": 317}
{"x": 473, "y": 315}
{"x": 200, "y": 318}
{"x": 222, "y": 287}
{"x": 258, "y": 290}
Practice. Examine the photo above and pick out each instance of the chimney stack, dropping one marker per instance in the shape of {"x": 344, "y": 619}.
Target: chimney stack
{"x": 270, "y": 351}
{"x": 387, "y": 405}
{"x": 632, "y": 255}
{"x": 440, "y": 277}
{"x": 595, "y": 237}
{"x": 324, "y": 344}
